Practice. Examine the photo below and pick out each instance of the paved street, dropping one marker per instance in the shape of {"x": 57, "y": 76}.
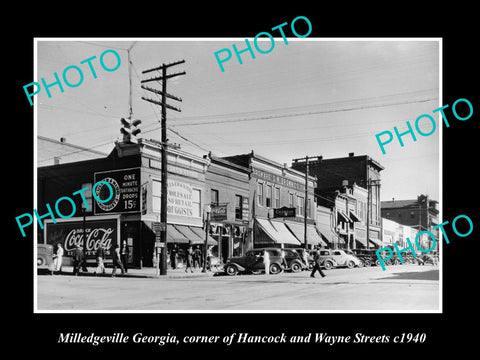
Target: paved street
{"x": 399, "y": 288}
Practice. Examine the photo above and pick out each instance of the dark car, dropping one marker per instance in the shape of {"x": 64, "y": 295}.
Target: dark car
{"x": 367, "y": 256}
{"x": 294, "y": 260}
{"x": 252, "y": 262}
{"x": 45, "y": 257}
{"x": 327, "y": 260}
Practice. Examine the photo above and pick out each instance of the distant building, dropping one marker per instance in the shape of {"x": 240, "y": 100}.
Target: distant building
{"x": 361, "y": 174}
{"x": 420, "y": 213}
{"x": 54, "y": 152}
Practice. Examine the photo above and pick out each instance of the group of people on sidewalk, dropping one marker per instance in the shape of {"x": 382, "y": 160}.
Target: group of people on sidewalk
{"x": 119, "y": 259}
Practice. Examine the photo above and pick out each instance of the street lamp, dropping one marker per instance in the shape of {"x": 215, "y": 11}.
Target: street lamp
{"x": 208, "y": 209}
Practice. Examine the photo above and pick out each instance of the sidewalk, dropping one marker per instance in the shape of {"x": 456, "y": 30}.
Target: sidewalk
{"x": 146, "y": 272}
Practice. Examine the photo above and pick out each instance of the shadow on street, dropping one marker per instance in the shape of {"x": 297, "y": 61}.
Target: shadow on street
{"x": 412, "y": 275}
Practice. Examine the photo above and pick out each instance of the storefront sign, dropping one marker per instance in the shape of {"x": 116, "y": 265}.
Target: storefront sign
{"x": 260, "y": 174}
{"x": 218, "y": 212}
{"x": 180, "y": 199}
{"x": 126, "y": 188}
{"x": 284, "y": 212}
{"x": 70, "y": 233}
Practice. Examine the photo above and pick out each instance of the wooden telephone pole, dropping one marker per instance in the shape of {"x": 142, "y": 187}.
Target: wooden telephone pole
{"x": 307, "y": 170}
{"x": 164, "y": 146}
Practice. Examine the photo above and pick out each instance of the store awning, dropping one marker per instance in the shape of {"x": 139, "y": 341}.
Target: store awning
{"x": 344, "y": 216}
{"x": 362, "y": 241}
{"x": 312, "y": 236}
{"x": 329, "y": 234}
{"x": 201, "y": 234}
{"x": 354, "y": 217}
{"x": 277, "y": 232}
{"x": 174, "y": 236}
{"x": 194, "y": 235}
{"x": 378, "y": 242}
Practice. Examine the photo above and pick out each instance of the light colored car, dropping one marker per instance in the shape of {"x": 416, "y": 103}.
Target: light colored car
{"x": 341, "y": 257}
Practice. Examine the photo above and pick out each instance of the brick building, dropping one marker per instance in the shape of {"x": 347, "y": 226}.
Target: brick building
{"x": 362, "y": 175}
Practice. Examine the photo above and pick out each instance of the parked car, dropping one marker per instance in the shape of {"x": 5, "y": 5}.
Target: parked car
{"x": 252, "y": 262}
{"x": 328, "y": 261}
{"x": 367, "y": 256}
{"x": 294, "y": 260}
{"x": 340, "y": 257}
{"x": 45, "y": 257}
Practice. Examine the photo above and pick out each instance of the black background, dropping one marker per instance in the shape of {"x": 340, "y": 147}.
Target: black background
{"x": 29, "y": 333}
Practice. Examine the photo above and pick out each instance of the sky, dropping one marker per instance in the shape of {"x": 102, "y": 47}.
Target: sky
{"x": 312, "y": 96}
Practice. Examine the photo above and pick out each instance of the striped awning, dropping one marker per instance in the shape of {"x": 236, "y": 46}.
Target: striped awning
{"x": 298, "y": 230}
{"x": 277, "y": 231}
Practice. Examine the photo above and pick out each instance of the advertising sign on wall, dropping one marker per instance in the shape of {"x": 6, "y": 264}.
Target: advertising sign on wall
{"x": 126, "y": 191}
{"x": 70, "y": 233}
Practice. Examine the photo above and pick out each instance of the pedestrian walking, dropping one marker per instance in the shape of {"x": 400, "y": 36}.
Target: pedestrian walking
{"x": 173, "y": 256}
{"x": 317, "y": 261}
{"x": 124, "y": 252}
{"x": 189, "y": 259}
{"x": 78, "y": 260}
{"x": 266, "y": 262}
{"x": 197, "y": 257}
{"x": 117, "y": 261}
{"x": 100, "y": 256}
{"x": 57, "y": 259}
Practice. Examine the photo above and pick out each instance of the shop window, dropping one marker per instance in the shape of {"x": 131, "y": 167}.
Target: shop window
{"x": 260, "y": 193}
{"x": 277, "y": 198}
{"x": 268, "y": 198}
{"x": 290, "y": 200}
{"x": 156, "y": 195}
{"x": 238, "y": 207}
{"x": 196, "y": 203}
{"x": 214, "y": 197}
{"x": 300, "y": 206}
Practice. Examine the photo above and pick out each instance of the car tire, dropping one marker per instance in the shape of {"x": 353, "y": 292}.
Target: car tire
{"x": 350, "y": 264}
{"x": 296, "y": 267}
{"x": 275, "y": 269}
{"x": 328, "y": 265}
{"x": 231, "y": 270}
{"x": 362, "y": 263}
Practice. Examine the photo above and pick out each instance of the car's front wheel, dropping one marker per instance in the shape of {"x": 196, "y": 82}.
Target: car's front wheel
{"x": 231, "y": 270}
{"x": 350, "y": 264}
{"x": 296, "y": 267}
{"x": 275, "y": 269}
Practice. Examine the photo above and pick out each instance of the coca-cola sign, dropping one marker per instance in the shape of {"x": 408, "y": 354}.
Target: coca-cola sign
{"x": 70, "y": 234}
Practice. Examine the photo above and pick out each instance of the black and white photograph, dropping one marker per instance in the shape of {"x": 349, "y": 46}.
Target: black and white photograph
{"x": 216, "y": 181}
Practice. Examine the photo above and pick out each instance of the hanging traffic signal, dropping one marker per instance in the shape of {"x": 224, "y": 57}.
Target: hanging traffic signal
{"x": 129, "y": 129}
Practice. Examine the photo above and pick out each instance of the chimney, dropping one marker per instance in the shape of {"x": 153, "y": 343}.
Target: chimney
{"x": 393, "y": 199}
{"x": 351, "y": 154}
{"x": 62, "y": 139}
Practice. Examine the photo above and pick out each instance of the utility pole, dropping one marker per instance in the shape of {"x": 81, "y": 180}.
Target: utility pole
{"x": 164, "y": 147}
{"x": 307, "y": 171}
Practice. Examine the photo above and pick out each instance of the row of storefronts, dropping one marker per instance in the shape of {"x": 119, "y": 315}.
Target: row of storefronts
{"x": 237, "y": 196}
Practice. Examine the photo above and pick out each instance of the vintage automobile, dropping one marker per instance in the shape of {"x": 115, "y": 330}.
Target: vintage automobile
{"x": 340, "y": 257}
{"x": 367, "y": 256}
{"x": 294, "y": 261}
{"x": 45, "y": 257}
{"x": 328, "y": 262}
{"x": 252, "y": 262}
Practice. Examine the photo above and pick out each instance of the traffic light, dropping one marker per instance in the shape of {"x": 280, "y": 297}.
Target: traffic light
{"x": 129, "y": 129}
